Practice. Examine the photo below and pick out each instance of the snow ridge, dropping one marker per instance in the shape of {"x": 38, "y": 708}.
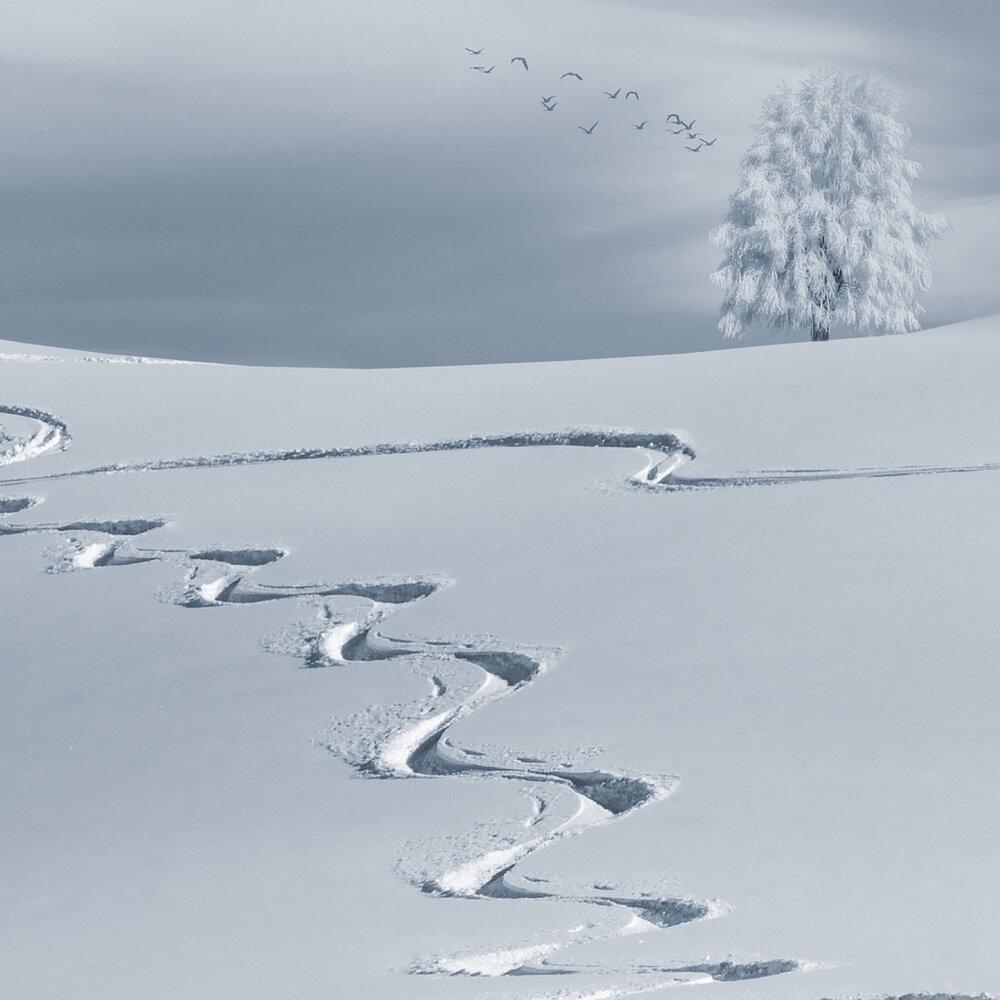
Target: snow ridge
{"x": 97, "y": 359}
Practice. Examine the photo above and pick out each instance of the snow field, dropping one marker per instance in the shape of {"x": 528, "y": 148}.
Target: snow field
{"x": 812, "y": 658}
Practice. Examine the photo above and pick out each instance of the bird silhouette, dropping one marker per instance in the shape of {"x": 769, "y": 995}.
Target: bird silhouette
{"x": 550, "y": 104}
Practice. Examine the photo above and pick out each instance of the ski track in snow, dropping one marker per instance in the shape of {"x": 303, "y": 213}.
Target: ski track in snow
{"x": 413, "y": 741}
{"x": 666, "y": 447}
{"x": 786, "y": 477}
{"x": 666, "y": 455}
{"x": 41, "y": 432}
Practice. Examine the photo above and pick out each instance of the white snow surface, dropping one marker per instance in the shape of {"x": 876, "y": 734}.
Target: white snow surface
{"x": 290, "y": 720}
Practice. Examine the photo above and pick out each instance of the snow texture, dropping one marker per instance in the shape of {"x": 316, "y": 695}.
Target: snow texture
{"x": 468, "y": 857}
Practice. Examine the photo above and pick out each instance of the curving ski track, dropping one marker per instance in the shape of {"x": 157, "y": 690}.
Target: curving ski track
{"x": 666, "y": 455}
{"x": 47, "y": 433}
{"x": 664, "y": 444}
{"x": 414, "y": 741}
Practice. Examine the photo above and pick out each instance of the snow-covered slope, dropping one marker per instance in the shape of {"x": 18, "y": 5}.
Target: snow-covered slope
{"x": 661, "y": 671}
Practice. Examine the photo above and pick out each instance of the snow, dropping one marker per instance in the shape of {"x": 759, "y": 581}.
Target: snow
{"x": 395, "y": 758}
{"x": 92, "y": 555}
{"x": 531, "y": 596}
{"x": 45, "y": 433}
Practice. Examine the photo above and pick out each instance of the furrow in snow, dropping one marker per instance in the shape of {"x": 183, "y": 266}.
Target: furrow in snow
{"x": 45, "y": 432}
{"x": 413, "y": 742}
{"x": 664, "y": 443}
{"x": 673, "y": 483}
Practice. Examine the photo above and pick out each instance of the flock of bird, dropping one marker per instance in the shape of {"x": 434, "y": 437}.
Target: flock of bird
{"x": 550, "y": 104}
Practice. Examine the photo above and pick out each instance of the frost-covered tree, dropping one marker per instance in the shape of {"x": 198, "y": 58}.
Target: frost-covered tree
{"x": 822, "y": 226}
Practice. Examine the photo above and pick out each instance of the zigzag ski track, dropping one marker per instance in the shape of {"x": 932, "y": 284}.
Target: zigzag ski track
{"x": 414, "y": 741}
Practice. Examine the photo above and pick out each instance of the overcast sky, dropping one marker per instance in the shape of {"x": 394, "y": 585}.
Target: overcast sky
{"x": 328, "y": 183}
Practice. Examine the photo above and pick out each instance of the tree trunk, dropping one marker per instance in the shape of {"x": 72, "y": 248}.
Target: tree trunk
{"x": 826, "y": 298}
{"x": 820, "y": 331}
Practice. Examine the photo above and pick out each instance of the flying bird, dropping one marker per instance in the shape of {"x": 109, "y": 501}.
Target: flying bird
{"x": 589, "y": 131}
{"x": 545, "y": 100}
{"x": 483, "y": 69}
{"x": 694, "y": 149}
{"x": 684, "y": 125}
{"x": 631, "y": 93}
{"x": 705, "y": 142}
{"x": 614, "y": 95}
{"x": 474, "y": 52}
{"x": 550, "y": 107}
{"x": 577, "y": 75}
{"x": 521, "y": 60}
{"x": 693, "y": 135}
{"x": 675, "y": 131}
{"x": 641, "y": 125}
